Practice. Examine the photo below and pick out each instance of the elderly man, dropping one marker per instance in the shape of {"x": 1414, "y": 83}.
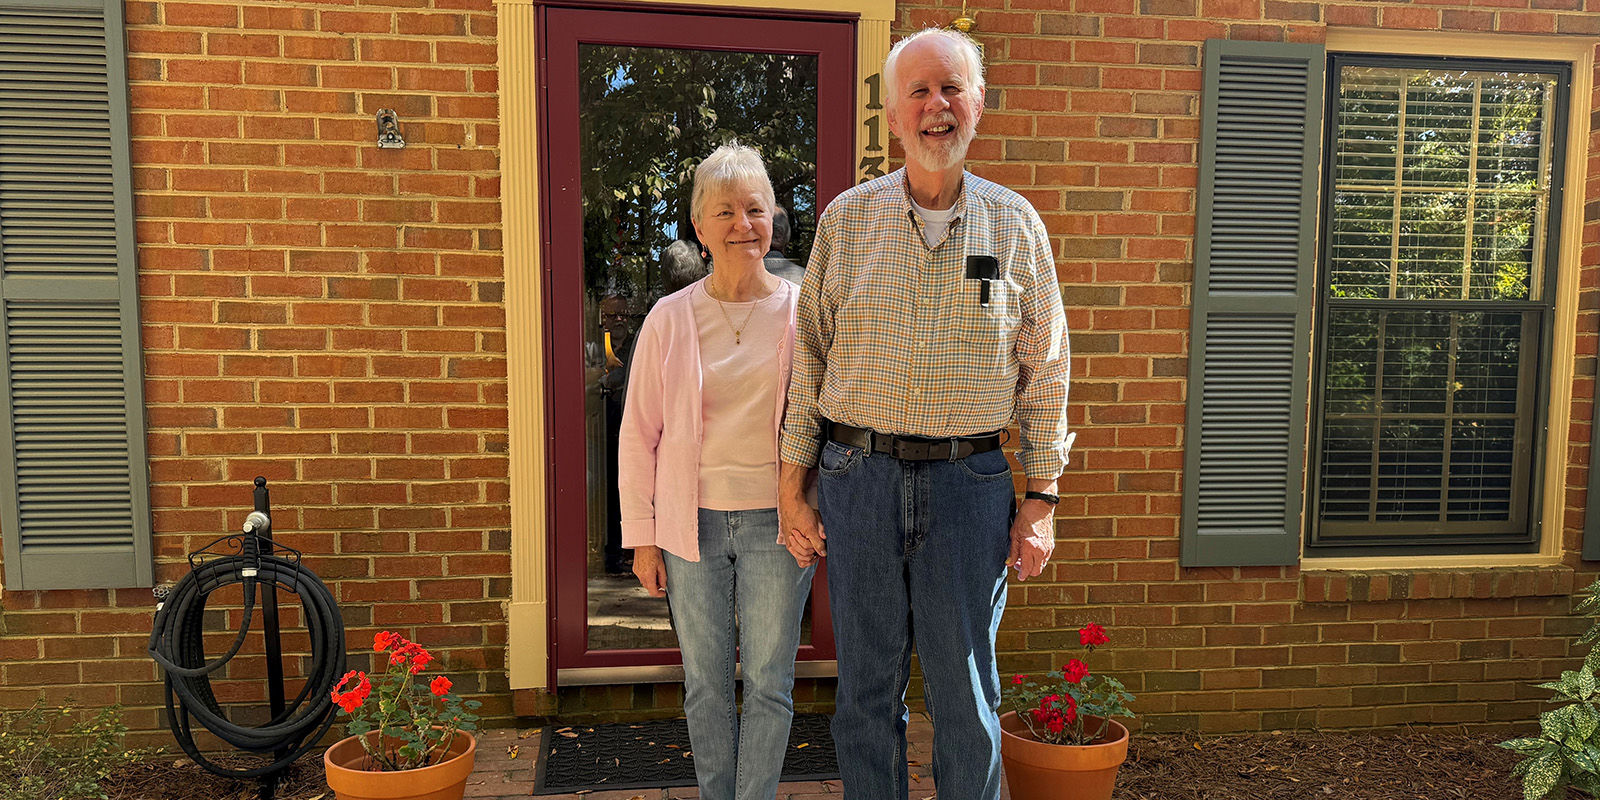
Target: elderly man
{"x": 930, "y": 318}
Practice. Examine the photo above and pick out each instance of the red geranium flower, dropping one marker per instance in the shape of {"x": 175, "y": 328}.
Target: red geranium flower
{"x": 385, "y": 640}
{"x": 351, "y": 700}
{"x": 1091, "y": 635}
{"x": 1075, "y": 671}
{"x": 419, "y": 660}
{"x": 1018, "y": 679}
{"x": 440, "y": 686}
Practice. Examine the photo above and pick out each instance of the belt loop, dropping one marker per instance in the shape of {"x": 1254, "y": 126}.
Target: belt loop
{"x": 955, "y": 449}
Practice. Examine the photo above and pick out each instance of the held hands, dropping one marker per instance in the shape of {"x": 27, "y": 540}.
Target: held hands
{"x": 651, "y": 570}
{"x": 1033, "y": 538}
{"x": 797, "y": 520}
{"x": 806, "y": 540}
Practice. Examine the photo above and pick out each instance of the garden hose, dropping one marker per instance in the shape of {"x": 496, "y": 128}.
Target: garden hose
{"x": 175, "y": 644}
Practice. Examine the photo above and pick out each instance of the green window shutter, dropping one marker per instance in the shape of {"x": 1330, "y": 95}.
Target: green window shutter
{"x": 74, "y": 486}
{"x": 1250, "y": 334}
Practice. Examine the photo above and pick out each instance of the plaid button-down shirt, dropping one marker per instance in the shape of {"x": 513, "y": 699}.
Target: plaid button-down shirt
{"x": 891, "y": 335}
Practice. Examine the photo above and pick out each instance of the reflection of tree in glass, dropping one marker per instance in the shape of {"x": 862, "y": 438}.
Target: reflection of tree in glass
{"x": 1440, "y": 180}
{"x": 649, "y": 115}
{"x": 1395, "y": 382}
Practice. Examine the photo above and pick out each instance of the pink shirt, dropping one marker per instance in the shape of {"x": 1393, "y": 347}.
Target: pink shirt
{"x": 658, "y": 452}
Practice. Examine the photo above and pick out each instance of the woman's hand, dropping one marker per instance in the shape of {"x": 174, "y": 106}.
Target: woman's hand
{"x": 650, "y": 569}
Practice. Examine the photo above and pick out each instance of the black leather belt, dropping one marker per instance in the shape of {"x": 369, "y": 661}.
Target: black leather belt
{"x": 912, "y": 448}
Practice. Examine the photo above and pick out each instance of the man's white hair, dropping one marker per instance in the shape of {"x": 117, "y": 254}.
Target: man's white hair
{"x": 729, "y": 167}
{"x": 966, "y": 49}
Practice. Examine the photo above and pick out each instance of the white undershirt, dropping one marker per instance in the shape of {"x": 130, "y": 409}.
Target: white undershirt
{"x": 739, "y": 395}
{"x": 934, "y": 223}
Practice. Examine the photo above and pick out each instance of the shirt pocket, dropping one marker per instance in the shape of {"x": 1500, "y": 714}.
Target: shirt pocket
{"x": 994, "y": 325}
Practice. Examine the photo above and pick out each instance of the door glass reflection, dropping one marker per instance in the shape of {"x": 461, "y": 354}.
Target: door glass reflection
{"x": 647, "y": 117}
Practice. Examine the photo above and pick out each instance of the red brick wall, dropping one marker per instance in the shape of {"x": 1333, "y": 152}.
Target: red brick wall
{"x": 318, "y": 311}
{"x": 330, "y": 315}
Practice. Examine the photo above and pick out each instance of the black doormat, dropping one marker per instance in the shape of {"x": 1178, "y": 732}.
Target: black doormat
{"x": 656, "y": 755}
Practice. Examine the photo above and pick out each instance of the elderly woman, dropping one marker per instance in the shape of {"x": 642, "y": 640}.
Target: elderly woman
{"x": 699, "y": 481}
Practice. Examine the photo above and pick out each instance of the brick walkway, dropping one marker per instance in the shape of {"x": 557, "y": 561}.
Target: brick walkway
{"x": 500, "y": 776}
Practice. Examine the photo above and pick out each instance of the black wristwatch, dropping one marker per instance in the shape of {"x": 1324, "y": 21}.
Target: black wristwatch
{"x": 1052, "y": 499}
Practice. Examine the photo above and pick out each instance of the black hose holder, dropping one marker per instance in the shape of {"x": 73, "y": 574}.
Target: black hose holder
{"x": 263, "y": 567}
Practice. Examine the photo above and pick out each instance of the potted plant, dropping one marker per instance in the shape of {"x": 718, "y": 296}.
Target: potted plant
{"x": 412, "y": 741}
{"x": 1061, "y": 742}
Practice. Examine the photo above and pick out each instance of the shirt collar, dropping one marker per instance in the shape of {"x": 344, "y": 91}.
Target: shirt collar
{"x": 903, "y": 198}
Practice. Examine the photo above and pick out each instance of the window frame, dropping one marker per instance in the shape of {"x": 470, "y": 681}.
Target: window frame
{"x": 1535, "y": 436}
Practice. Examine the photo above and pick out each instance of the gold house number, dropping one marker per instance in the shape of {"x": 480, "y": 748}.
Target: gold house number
{"x": 871, "y": 165}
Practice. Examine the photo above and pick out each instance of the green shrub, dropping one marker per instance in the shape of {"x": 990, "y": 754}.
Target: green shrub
{"x": 1567, "y": 750}
{"x": 53, "y": 754}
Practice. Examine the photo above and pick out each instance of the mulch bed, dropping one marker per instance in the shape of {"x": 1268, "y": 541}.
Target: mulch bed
{"x": 1430, "y": 765}
{"x": 168, "y": 779}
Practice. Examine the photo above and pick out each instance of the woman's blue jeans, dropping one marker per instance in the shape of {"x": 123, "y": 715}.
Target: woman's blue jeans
{"x": 744, "y": 580}
{"x": 916, "y": 554}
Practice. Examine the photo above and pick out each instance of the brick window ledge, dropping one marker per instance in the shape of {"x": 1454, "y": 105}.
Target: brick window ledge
{"x": 1378, "y": 585}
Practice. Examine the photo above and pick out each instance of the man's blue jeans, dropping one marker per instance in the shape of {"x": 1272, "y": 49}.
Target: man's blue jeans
{"x": 916, "y": 552}
{"x": 742, "y": 570}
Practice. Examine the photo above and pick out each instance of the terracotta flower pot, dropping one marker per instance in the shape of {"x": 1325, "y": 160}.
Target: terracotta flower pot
{"x": 1038, "y": 770}
{"x": 350, "y": 779}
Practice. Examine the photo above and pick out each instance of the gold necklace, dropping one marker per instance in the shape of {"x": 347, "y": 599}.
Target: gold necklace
{"x": 740, "y": 330}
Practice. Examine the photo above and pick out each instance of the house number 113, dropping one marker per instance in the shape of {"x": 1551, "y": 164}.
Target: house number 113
{"x": 871, "y": 165}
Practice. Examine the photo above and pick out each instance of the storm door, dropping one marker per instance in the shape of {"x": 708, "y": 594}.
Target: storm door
{"x": 633, "y": 100}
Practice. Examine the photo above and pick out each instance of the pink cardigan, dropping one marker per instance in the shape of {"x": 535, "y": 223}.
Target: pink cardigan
{"x": 658, "y": 452}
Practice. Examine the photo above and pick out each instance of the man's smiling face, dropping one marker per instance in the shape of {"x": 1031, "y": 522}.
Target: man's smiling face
{"x": 935, "y": 108}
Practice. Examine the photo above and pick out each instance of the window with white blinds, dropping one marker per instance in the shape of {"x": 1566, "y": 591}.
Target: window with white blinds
{"x": 1440, "y": 186}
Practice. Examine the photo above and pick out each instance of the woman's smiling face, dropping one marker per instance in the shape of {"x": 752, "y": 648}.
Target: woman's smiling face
{"x": 737, "y": 226}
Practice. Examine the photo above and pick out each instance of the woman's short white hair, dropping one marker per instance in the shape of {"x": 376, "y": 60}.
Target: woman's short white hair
{"x": 966, "y": 48}
{"x": 729, "y": 167}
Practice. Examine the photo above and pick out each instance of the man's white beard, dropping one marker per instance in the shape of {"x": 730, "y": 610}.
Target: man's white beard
{"x": 935, "y": 158}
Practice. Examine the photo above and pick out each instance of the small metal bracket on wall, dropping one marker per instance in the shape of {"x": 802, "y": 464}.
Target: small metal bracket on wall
{"x": 389, "y": 129}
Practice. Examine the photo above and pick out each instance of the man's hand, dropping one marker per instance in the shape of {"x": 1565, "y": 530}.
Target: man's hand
{"x": 1033, "y": 534}
{"x": 797, "y": 519}
{"x": 650, "y": 569}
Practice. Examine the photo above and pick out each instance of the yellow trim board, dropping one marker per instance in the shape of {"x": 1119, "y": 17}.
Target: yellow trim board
{"x": 1402, "y": 563}
{"x": 1579, "y": 52}
{"x": 527, "y": 656}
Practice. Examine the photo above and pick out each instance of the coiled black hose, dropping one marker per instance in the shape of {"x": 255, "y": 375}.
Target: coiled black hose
{"x": 175, "y": 644}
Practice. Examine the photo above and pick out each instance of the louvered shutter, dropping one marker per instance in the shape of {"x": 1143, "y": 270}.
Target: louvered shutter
{"x": 1249, "y": 351}
{"x": 76, "y": 509}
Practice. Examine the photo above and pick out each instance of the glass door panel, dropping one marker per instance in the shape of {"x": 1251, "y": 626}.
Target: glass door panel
{"x": 647, "y": 116}
{"x": 635, "y": 101}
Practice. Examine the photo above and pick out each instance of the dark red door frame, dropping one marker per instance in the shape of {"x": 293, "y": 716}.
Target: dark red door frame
{"x": 562, "y": 29}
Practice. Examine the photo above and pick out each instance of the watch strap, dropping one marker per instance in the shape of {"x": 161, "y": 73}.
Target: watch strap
{"x": 1052, "y": 499}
